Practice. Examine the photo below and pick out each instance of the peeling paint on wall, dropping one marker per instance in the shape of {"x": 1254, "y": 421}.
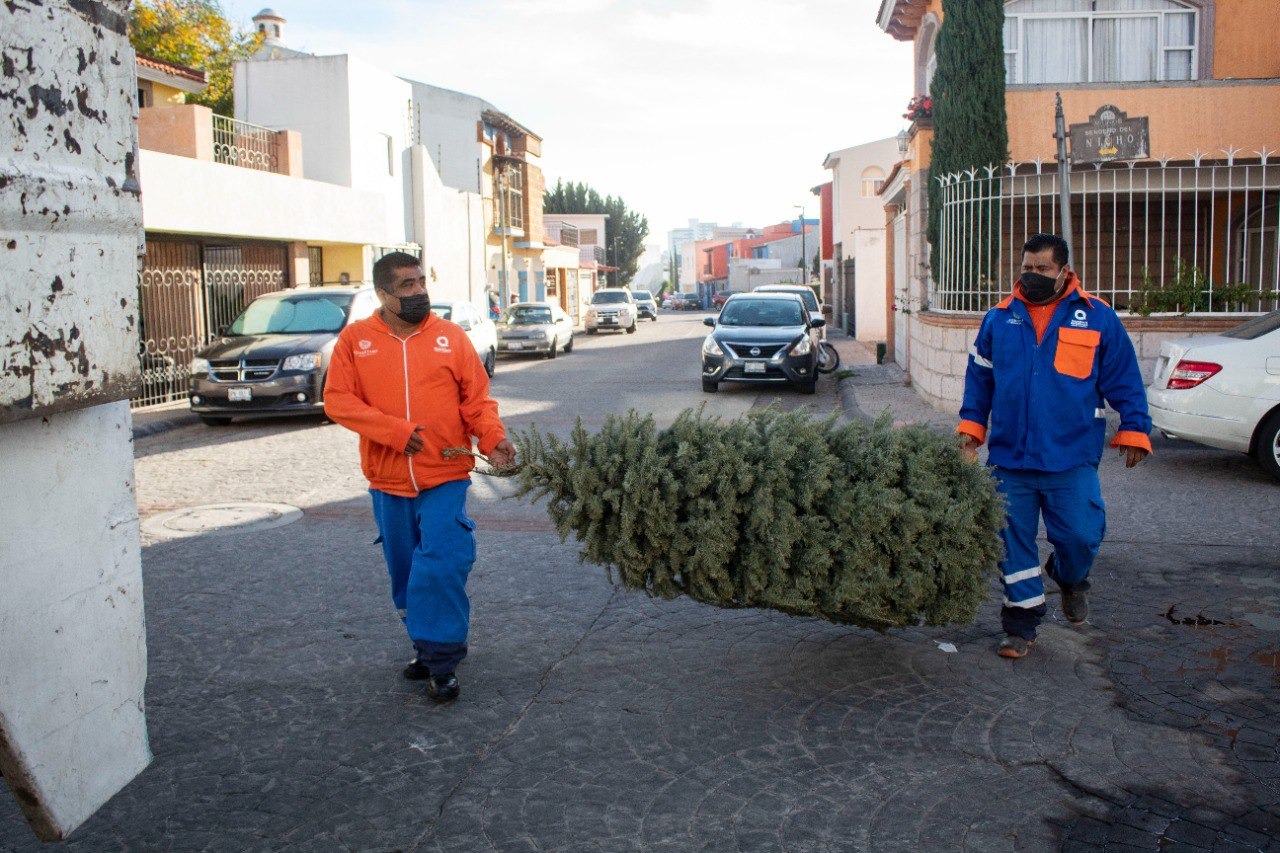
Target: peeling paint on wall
{"x": 68, "y": 191}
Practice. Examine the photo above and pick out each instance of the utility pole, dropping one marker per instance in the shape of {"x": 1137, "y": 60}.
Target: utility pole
{"x": 1064, "y": 174}
{"x": 804, "y": 254}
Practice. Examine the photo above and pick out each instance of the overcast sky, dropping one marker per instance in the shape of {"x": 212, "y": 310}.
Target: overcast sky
{"x": 721, "y": 110}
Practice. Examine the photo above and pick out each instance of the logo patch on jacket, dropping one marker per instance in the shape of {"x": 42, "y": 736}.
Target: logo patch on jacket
{"x": 442, "y": 344}
{"x": 365, "y": 348}
{"x": 1014, "y": 321}
{"x": 1080, "y": 320}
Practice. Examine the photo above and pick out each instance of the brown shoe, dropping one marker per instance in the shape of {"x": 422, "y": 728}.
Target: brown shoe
{"x": 1013, "y": 646}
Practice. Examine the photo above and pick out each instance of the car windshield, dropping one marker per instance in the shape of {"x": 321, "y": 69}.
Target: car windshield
{"x": 606, "y": 297}
{"x": 642, "y": 294}
{"x": 806, "y": 294}
{"x": 293, "y": 315}
{"x": 761, "y": 312}
{"x": 1255, "y": 328}
{"x": 526, "y": 315}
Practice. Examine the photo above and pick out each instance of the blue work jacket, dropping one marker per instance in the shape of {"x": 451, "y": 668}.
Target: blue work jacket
{"x": 1045, "y": 400}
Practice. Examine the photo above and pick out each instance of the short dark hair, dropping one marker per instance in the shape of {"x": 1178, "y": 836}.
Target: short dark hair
{"x": 384, "y": 269}
{"x": 1040, "y": 242}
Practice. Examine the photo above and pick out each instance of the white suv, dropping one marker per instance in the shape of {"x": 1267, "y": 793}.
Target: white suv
{"x": 612, "y": 308}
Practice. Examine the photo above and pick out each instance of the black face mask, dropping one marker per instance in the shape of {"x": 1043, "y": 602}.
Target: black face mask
{"x": 414, "y": 309}
{"x": 1038, "y": 288}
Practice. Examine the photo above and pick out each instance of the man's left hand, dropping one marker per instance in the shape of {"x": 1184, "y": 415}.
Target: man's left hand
{"x": 504, "y": 454}
{"x": 1132, "y": 455}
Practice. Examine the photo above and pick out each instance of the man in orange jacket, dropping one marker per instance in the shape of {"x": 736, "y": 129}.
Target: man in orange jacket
{"x": 412, "y": 386}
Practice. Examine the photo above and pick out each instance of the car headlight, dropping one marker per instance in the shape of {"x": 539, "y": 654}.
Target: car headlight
{"x": 303, "y": 361}
{"x": 802, "y": 347}
{"x": 624, "y": 310}
{"x": 548, "y": 333}
{"x": 199, "y": 367}
{"x": 710, "y": 347}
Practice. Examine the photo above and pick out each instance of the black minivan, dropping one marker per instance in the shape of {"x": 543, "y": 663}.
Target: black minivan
{"x": 272, "y": 359}
{"x": 762, "y": 337}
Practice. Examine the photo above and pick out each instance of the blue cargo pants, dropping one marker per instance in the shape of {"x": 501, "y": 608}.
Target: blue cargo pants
{"x": 430, "y": 545}
{"x": 1074, "y": 522}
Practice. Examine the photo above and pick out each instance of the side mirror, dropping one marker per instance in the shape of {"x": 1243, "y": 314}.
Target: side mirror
{"x": 709, "y": 321}
{"x": 817, "y": 322}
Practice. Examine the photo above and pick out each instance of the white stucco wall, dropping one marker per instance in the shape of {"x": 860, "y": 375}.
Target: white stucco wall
{"x": 449, "y": 226}
{"x": 448, "y": 130}
{"x": 870, "y": 317}
{"x": 346, "y": 110}
{"x": 248, "y": 203}
{"x": 310, "y": 95}
{"x": 72, "y": 638}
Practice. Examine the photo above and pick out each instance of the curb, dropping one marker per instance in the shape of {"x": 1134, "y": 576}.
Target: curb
{"x": 154, "y": 423}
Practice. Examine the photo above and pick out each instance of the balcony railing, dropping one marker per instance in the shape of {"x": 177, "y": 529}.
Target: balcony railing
{"x": 593, "y": 254}
{"x": 1151, "y": 237}
{"x": 560, "y": 232}
{"x": 238, "y": 143}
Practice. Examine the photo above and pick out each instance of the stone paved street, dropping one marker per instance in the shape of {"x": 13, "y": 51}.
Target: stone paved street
{"x": 596, "y": 719}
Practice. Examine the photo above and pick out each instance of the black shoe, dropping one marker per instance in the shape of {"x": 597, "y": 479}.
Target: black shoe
{"x": 443, "y": 688}
{"x": 416, "y": 670}
{"x": 1075, "y": 606}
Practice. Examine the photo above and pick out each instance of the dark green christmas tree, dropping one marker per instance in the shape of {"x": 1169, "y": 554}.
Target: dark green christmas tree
{"x": 859, "y": 523}
{"x": 970, "y": 124}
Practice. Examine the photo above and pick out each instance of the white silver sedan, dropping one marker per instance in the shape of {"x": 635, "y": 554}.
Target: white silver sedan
{"x": 477, "y": 325}
{"x": 1223, "y": 390}
{"x": 528, "y": 328}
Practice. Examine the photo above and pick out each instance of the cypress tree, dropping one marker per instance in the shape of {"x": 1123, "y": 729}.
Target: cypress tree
{"x": 970, "y": 123}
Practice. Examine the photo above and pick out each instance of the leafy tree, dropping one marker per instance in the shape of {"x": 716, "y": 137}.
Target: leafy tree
{"x": 970, "y": 123}
{"x": 624, "y": 232}
{"x": 195, "y": 33}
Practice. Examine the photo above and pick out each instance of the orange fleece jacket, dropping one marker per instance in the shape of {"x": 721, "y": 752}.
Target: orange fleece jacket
{"x": 382, "y": 386}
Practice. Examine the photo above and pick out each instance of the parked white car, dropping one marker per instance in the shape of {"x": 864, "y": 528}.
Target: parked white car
{"x": 477, "y": 325}
{"x": 1223, "y": 390}
{"x": 612, "y": 308}
{"x": 535, "y": 328}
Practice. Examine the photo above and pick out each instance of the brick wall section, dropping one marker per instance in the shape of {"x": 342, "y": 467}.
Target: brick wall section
{"x": 535, "y": 186}
{"x": 939, "y": 348}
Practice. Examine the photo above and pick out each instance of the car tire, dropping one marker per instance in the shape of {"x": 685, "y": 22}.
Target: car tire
{"x": 490, "y": 362}
{"x": 809, "y": 387}
{"x": 568, "y": 348}
{"x": 1267, "y": 447}
{"x": 591, "y": 331}
{"x": 631, "y": 330}
{"x": 214, "y": 420}
{"x": 710, "y": 386}
{"x": 551, "y": 353}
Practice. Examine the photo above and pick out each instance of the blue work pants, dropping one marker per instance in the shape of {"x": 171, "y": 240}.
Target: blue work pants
{"x": 1075, "y": 523}
{"x": 430, "y": 545}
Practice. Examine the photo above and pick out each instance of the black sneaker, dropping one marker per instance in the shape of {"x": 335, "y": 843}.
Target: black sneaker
{"x": 443, "y": 688}
{"x": 1013, "y": 646}
{"x": 416, "y": 670}
{"x": 1075, "y": 606}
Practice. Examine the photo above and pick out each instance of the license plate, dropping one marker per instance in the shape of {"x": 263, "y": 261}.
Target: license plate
{"x": 515, "y": 345}
{"x": 753, "y": 367}
{"x": 239, "y": 395}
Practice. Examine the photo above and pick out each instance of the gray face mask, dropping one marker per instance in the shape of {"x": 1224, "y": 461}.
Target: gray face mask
{"x": 414, "y": 309}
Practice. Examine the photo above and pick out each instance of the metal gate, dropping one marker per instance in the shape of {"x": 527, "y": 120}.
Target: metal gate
{"x": 188, "y": 292}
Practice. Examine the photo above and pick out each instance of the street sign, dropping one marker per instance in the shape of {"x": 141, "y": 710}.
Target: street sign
{"x": 1110, "y": 134}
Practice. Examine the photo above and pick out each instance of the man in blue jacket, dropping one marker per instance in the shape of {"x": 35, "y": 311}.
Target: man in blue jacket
{"x": 1044, "y": 361}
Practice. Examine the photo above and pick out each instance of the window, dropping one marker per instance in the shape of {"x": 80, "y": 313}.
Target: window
{"x": 511, "y": 197}
{"x": 391, "y": 154}
{"x": 587, "y": 237}
{"x": 872, "y": 181}
{"x": 1088, "y": 41}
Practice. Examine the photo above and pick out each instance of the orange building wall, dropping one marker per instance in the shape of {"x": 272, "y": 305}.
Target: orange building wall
{"x": 1182, "y": 119}
{"x": 1244, "y": 39}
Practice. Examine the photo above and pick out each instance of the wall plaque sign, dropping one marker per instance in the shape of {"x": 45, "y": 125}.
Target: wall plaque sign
{"x": 1110, "y": 134}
